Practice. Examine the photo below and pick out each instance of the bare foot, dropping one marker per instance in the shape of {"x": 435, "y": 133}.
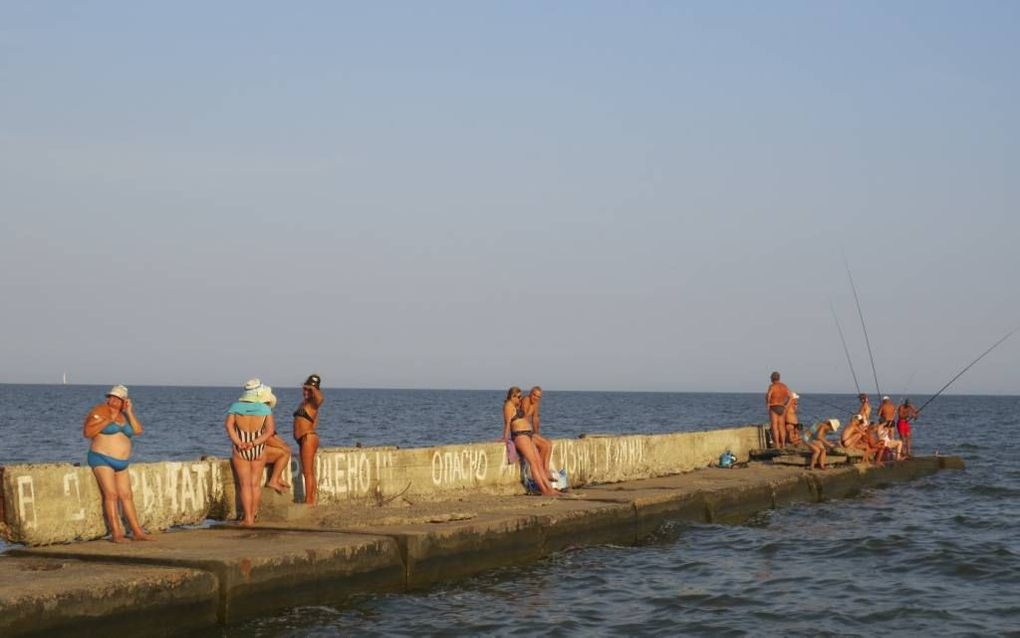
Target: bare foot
{"x": 279, "y": 488}
{"x": 120, "y": 539}
{"x": 143, "y": 537}
{"x": 247, "y": 523}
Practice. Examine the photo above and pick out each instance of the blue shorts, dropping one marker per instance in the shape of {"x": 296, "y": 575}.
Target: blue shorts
{"x": 95, "y": 459}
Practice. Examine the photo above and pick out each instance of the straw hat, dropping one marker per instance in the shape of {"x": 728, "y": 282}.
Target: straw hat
{"x": 253, "y": 388}
{"x": 266, "y": 396}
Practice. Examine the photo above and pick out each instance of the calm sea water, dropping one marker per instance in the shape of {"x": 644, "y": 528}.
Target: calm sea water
{"x": 941, "y": 554}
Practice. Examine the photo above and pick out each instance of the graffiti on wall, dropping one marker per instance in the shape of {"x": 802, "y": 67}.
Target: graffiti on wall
{"x": 26, "y": 501}
{"x": 174, "y": 488}
{"x": 351, "y": 474}
{"x": 591, "y": 458}
{"x": 459, "y": 467}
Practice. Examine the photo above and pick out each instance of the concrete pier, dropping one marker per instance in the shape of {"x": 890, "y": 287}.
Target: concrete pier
{"x": 301, "y": 555}
{"x": 46, "y": 596}
{"x": 42, "y": 504}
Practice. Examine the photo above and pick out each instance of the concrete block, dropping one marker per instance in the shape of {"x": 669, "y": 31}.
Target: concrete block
{"x": 260, "y": 571}
{"x": 951, "y": 463}
{"x": 454, "y": 549}
{"x": 370, "y": 475}
{"x": 48, "y": 596}
{"x": 58, "y": 503}
{"x": 572, "y": 522}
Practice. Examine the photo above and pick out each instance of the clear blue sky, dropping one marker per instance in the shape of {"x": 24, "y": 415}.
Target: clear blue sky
{"x": 586, "y": 195}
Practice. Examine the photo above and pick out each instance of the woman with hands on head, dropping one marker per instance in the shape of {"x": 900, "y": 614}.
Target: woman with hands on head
{"x": 111, "y": 426}
{"x": 306, "y": 418}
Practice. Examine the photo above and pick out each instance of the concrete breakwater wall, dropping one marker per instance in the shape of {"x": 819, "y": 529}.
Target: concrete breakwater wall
{"x": 43, "y": 504}
{"x": 194, "y": 579}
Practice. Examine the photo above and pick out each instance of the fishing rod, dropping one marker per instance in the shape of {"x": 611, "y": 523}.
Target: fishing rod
{"x": 830, "y": 405}
{"x": 845, "y": 349}
{"x": 960, "y": 373}
{"x": 863, "y": 327}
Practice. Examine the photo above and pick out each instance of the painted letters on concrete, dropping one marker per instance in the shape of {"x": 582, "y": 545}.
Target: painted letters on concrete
{"x": 52, "y": 503}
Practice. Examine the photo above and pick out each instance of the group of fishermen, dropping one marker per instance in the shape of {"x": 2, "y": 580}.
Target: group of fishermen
{"x": 886, "y": 438}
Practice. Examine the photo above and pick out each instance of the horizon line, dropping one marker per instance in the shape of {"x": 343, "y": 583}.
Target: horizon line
{"x": 425, "y": 389}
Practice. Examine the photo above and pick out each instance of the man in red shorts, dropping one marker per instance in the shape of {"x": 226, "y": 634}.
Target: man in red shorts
{"x": 906, "y": 414}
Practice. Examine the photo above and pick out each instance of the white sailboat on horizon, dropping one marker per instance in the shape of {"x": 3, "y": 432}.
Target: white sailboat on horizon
{"x": 65, "y": 378}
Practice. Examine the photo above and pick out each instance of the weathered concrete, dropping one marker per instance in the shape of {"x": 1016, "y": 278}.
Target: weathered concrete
{"x": 450, "y": 539}
{"x": 259, "y": 570}
{"x": 45, "y": 596}
{"x": 375, "y": 474}
{"x": 316, "y": 555}
{"x": 59, "y": 503}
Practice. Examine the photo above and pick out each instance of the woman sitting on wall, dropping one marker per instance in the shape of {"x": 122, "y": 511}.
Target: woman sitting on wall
{"x": 111, "y": 425}
{"x": 249, "y": 425}
{"x": 517, "y": 428}
{"x": 277, "y": 451}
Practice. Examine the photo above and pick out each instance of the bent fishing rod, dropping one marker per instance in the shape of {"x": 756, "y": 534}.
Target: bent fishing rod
{"x": 969, "y": 366}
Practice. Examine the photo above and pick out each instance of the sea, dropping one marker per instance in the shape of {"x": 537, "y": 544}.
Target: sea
{"x": 940, "y": 555}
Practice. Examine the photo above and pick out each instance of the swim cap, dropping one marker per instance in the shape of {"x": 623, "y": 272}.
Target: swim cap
{"x": 313, "y": 380}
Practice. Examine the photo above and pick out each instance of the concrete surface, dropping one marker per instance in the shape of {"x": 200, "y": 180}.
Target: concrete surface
{"x": 259, "y": 571}
{"x": 58, "y": 596}
{"x": 318, "y": 555}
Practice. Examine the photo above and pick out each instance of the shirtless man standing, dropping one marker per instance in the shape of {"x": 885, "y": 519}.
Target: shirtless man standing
{"x": 865, "y": 409}
{"x": 776, "y": 398}
{"x": 532, "y": 404}
{"x": 886, "y": 411}
{"x": 906, "y": 414}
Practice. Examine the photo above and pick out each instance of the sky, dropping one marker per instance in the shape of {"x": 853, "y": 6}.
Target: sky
{"x": 657, "y": 196}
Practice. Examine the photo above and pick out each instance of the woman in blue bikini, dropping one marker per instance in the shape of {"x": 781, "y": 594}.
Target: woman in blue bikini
{"x": 110, "y": 426}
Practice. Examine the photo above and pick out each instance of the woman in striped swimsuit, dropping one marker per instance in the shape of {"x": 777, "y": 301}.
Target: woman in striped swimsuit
{"x": 249, "y": 425}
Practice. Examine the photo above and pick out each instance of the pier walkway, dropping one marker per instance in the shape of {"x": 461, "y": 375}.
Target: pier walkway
{"x": 194, "y": 578}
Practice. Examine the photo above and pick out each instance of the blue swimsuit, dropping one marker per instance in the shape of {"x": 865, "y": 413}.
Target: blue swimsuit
{"x": 95, "y": 459}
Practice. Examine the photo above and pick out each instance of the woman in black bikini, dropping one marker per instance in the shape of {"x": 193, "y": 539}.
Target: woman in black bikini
{"x": 249, "y": 425}
{"x": 517, "y": 428}
{"x": 306, "y": 418}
